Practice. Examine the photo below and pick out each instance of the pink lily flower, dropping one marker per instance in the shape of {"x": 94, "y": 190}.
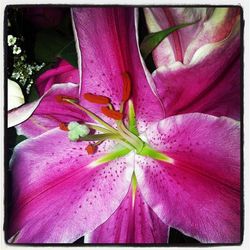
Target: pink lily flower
{"x": 142, "y": 173}
{"x": 198, "y": 67}
{"x": 63, "y": 72}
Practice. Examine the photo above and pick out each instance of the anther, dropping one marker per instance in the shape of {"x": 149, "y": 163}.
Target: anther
{"x": 63, "y": 126}
{"x": 126, "y": 86}
{"x": 116, "y": 115}
{"x": 91, "y": 149}
{"x": 99, "y": 99}
{"x": 63, "y": 99}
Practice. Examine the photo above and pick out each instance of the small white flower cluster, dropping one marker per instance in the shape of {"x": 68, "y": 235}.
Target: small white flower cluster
{"x": 22, "y": 72}
{"x": 16, "y": 50}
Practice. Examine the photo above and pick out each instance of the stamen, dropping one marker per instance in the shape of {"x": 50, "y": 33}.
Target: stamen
{"x": 91, "y": 149}
{"x": 116, "y": 115}
{"x": 64, "y": 99}
{"x": 99, "y": 99}
{"x": 93, "y": 116}
{"x": 126, "y": 86}
{"x": 63, "y": 126}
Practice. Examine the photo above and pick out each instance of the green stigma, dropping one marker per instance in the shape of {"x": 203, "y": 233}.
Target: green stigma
{"x": 76, "y": 131}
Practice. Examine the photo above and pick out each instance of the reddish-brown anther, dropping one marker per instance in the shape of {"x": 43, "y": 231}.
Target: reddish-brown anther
{"x": 99, "y": 99}
{"x": 116, "y": 115}
{"x": 63, "y": 126}
{"x": 63, "y": 98}
{"x": 126, "y": 86}
{"x": 91, "y": 149}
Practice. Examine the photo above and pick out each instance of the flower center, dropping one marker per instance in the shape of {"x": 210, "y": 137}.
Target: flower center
{"x": 125, "y": 134}
{"x": 120, "y": 131}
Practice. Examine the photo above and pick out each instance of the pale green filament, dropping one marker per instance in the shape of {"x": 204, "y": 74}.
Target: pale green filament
{"x": 92, "y": 115}
{"x": 130, "y": 137}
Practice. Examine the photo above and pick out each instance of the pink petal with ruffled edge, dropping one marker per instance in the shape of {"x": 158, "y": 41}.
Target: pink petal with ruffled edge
{"x": 62, "y": 72}
{"x": 47, "y": 113}
{"x": 210, "y": 84}
{"x": 58, "y": 196}
{"x": 199, "y": 193}
{"x": 108, "y": 47}
{"x": 217, "y": 28}
{"x": 131, "y": 223}
{"x": 47, "y": 105}
{"x": 173, "y": 47}
{"x": 213, "y": 25}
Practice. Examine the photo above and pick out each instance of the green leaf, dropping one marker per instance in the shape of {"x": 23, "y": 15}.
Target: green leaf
{"x": 69, "y": 53}
{"x": 20, "y": 138}
{"x": 151, "y": 41}
{"x": 51, "y": 44}
{"x": 48, "y": 44}
{"x": 33, "y": 95}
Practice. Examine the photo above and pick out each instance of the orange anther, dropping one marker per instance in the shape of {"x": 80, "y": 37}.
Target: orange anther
{"x": 126, "y": 86}
{"x": 63, "y": 126}
{"x": 112, "y": 113}
{"x": 99, "y": 99}
{"x": 62, "y": 98}
{"x": 91, "y": 149}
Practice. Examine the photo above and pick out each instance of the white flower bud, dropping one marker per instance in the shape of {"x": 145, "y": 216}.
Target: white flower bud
{"x": 15, "y": 95}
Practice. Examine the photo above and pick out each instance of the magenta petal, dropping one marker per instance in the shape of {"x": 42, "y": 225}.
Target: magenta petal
{"x": 37, "y": 124}
{"x": 199, "y": 193}
{"x": 58, "y": 196}
{"x": 108, "y": 47}
{"x": 209, "y": 85}
{"x": 131, "y": 224}
{"x": 63, "y": 72}
{"x": 47, "y": 112}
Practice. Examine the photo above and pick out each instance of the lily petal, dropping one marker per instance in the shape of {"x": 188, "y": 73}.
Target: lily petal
{"x": 63, "y": 72}
{"x": 58, "y": 195}
{"x": 47, "y": 111}
{"x": 209, "y": 84}
{"x": 38, "y": 124}
{"x": 199, "y": 193}
{"x": 212, "y": 25}
{"x": 108, "y": 48}
{"x": 173, "y": 47}
{"x": 133, "y": 222}
{"x": 217, "y": 28}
